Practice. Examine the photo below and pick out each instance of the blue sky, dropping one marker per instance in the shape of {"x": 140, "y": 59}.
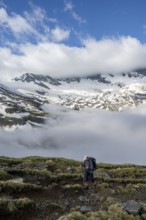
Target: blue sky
{"x": 95, "y": 18}
{"x": 80, "y": 36}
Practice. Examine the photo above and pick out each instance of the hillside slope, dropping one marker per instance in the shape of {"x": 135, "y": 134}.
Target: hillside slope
{"x": 51, "y": 188}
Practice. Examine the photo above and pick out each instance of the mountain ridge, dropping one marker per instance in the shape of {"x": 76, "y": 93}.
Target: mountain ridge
{"x": 30, "y": 92}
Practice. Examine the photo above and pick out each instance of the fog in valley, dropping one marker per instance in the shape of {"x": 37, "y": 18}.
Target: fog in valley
{"x": 111, "y": 137}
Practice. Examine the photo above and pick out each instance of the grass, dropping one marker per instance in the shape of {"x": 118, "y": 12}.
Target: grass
{"x": 66, "y": 169}
{"x": 60, "y": 180}
{"x": 73, "y": 216}
{"x": 72, "y": 186}
{"x": 120, "y": 180}
{"x": 128, "y": 172}
{"x": 107, "y": 166}
{"x": 63, "y": 165}
{"x": 9, "y": 161}
{"x": 11, "y": 206}
{"x": 4, "y": 175}
{"x": 114, "y": 212}
{"x": 12, "y": 187}
{"x": 35, "y": 172}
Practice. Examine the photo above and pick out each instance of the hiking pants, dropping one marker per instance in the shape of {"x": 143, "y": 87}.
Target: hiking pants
{"x": 88, "y": 176}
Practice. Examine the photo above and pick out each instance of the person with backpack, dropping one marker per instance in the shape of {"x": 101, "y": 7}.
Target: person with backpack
{"x": 88, "y": 167}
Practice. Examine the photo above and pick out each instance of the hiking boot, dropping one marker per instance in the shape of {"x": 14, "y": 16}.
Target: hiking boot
{"x": 85, "y": 186}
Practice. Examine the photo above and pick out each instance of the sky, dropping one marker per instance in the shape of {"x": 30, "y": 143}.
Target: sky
{"x": 75, "y": 38}
{"x": 71, "y": 37}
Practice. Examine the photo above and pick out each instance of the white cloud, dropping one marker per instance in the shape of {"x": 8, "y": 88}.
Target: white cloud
{"x": 36, "y": 15}
{"x": 111, "y": 137}
{"x": 50, "y": 56}
{"x": 53, "y": 20}
{"x": 55, "y": 59}
{"x": 78, "y": 18}
{"x": 15, "y": 22}
{"x": 58, "y": 34}
{"x": 34, "y": 24}
{"x": 68, "y": 6}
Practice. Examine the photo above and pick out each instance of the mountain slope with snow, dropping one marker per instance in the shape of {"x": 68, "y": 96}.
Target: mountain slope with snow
{"x": 17, "y": 109}
{"x": 21, "y": 102}
{"x": 110, "y": 92}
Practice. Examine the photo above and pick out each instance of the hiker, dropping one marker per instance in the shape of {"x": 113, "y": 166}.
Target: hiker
{"x": 88, "y": 166}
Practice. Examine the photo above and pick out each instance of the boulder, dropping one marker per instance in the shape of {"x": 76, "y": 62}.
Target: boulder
{"x": 84, "y": 201}
{"x": 133, "y": 207}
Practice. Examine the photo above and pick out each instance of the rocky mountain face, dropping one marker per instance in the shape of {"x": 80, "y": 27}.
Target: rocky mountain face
{"x": 52, "y": 188}
{"x": 37, "y": 79}
{"x": 22, "y": 102}
{"x": 18, "y": 109}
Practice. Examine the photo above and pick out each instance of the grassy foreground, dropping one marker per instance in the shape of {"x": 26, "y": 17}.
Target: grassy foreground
{"x": 37, "y": 188}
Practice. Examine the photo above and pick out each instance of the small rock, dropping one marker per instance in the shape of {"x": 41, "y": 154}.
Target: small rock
{"x": 67, "y": 186}
{"x": 69, "y": 169}
{"x": 85, "y": 209}
{"x": 66, "y": 203}
{"x": 133, "y": 207}
{"x": 97, "y": 197}
{"x": 83, "y": 199}
{"x": 113, "y": 191}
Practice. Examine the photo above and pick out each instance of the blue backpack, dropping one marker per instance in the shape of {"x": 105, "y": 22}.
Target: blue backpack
{"x": 90, "y": 164}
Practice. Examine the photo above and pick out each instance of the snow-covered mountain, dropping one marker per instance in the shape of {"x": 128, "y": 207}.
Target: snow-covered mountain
{"x": 17, "y": 109}
{"x": 21, "y": 102}
{"x": 110, "y": 92}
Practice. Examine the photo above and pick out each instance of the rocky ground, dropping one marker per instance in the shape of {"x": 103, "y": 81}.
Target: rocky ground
{"x": 36, "y": 188}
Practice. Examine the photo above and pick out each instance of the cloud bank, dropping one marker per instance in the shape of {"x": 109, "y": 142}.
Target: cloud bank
{"x": 110, "y": 137}
{"x": 59, "y": 60}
